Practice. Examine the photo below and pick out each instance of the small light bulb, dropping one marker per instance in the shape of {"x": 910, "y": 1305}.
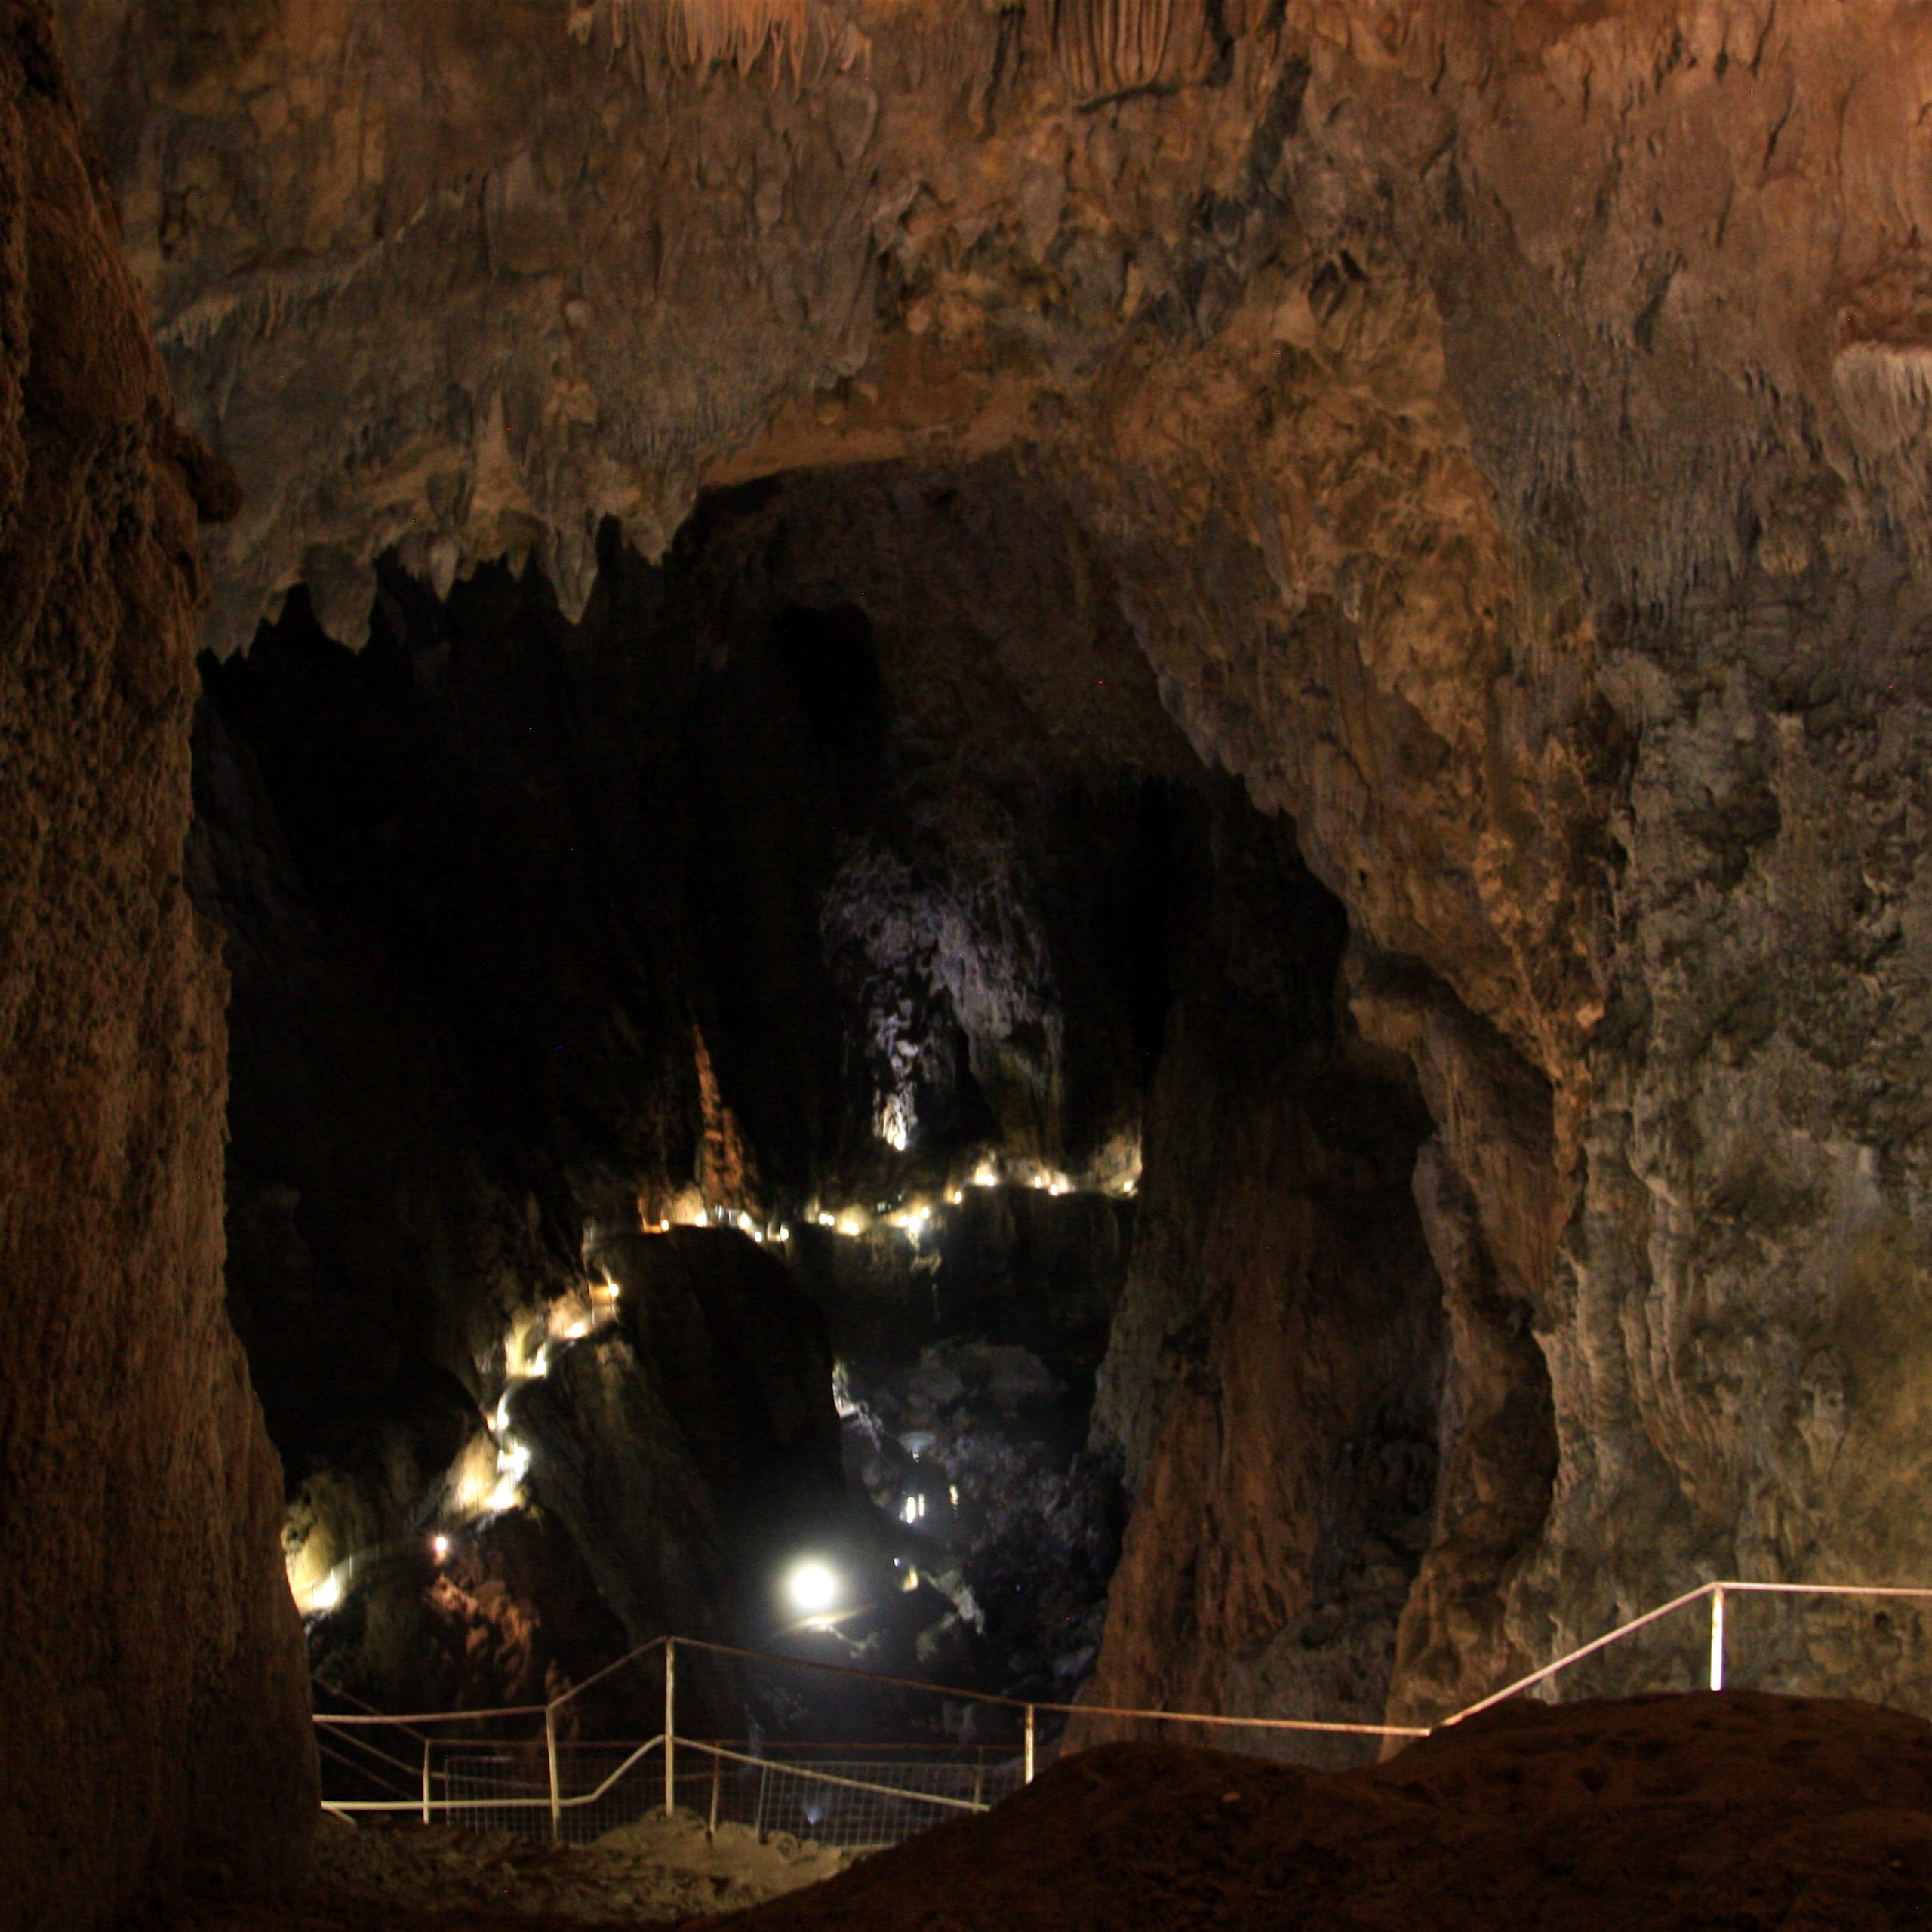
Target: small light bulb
{"x": 441, "y": 1544}
{"x": 327, "y": 1594}
{"x": 812, "y": 1588}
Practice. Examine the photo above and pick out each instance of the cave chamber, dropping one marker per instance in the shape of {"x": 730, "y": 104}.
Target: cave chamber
{"x": 798, "y": 1068}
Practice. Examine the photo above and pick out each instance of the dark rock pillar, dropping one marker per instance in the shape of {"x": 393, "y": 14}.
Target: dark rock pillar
{"x": 152, "y": 1699}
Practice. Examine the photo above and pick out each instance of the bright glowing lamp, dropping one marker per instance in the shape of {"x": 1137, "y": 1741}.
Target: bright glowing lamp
{"x": 812, "y": 1588}
{"x": 327, "y": 1594}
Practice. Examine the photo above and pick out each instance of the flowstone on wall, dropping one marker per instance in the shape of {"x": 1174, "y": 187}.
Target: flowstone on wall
{"x": 151, "y": 1687}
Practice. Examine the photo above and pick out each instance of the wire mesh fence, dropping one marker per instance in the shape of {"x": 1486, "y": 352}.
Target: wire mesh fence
{"x": 853, "y": 1802}
{"x": 859, "y": 1802}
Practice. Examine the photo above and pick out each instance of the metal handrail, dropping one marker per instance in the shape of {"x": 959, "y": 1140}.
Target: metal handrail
{"x": 553, "y": 1802}
{"x": 1043, "y": 1704}
{"x": 350, "y": 1764}
{"x": 351, "y": 1718}
{"x": 1716, "y": 1591}
{"x": 1576, "y": 1655}
{"x": 833, "y": 1777}
{"x": 598, "y": 1677}
{"x": 340, "y": 1745}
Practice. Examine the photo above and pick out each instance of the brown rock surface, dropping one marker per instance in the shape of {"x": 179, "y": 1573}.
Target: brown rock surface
{"x": 152, "y": 1695}
{"x": 1272, "y": 1375}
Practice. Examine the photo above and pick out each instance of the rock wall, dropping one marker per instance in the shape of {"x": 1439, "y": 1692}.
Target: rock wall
{"x": 1505, "y": 432}
{"x": 152, "y": 1691}
{"x": 1274, "y": 1374}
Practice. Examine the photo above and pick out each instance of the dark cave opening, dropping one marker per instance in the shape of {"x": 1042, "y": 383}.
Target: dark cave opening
{"x": 690, "y": 1076}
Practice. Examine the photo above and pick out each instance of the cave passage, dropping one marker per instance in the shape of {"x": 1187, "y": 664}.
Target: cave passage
{"x": 745, "y": 1111}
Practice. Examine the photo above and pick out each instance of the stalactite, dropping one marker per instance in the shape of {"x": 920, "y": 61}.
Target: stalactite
{"x": 1106, "y": 47}
{"x": 698, "y": 35}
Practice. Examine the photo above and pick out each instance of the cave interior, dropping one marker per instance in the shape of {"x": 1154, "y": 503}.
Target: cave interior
{"x": 705, "y": 1079}
{"x": 1077, "y": 849}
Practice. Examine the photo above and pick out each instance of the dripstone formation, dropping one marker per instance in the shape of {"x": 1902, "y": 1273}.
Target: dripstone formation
{"x": 152, "y": 1695}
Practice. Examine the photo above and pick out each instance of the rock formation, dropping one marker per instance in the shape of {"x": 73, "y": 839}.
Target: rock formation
{"x": 152, "y": 1690}
{"x": 1495, "y": 435}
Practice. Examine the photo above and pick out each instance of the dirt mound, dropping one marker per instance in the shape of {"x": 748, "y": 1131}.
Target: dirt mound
{"x": 1738, "y": 1811}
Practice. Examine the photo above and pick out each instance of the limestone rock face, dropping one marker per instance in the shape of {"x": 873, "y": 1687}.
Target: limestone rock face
{"x": 1273, "y": 1378}
{"x": 152, "y": 1691}
{"x": 1505, "y": 431}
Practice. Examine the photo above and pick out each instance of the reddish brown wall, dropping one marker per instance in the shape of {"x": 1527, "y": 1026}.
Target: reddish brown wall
{"x": 152, "y": 1691}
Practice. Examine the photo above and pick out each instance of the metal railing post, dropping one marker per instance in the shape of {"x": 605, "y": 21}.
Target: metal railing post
{"x": 1717, "y": 1637}
{"x": 670, "y": 1725}
{"x": 1029, "y": 1778}
{"x": 550, "y": 1751}
{"x": 426, "y": 1780}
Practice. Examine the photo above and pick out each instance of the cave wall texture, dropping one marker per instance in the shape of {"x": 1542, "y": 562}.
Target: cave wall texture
{"x": 141, "y": 1494}
{"x": 1504, "y": 429}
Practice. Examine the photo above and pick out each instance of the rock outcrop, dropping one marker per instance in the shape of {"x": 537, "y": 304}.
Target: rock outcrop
{"x": 1274, "y": 1376}
{"x": 152, "y": 1689}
